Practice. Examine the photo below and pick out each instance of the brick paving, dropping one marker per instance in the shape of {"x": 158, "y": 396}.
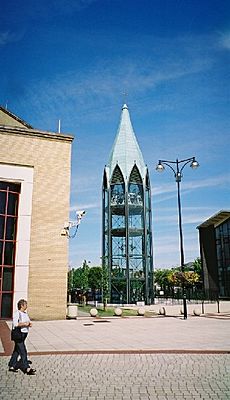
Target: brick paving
{"x": 120, "y": 377}
{"x": 122, "y": 359}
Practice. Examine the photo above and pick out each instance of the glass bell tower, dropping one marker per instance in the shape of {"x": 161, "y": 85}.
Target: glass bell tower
{"x": 127, "y": 228}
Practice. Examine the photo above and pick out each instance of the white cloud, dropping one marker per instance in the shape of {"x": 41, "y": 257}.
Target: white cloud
{"x": 8, "y": 37}
{"x": 191, "y": 215}
{"x": 84, "y": 183}
{"x": 85, "y": 206}
{"x": 225, "y": 40}
{"x": 192, "y": 185}
{"x": 46, "y": 10}
{"x": 166, "y": 248}
{"x": 94, "y": 93}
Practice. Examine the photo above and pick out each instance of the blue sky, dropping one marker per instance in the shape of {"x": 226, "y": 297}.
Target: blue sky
{"x": 74, "y": 60}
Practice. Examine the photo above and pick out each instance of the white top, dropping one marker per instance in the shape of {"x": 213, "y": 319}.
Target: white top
{"x": 20, "y": 316}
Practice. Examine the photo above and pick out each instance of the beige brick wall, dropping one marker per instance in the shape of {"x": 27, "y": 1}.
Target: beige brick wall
{"x": 50, "y": 155}
{"x": 6, "y": 119}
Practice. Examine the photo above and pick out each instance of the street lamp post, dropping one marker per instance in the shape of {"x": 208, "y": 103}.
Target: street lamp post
{"x": 177, "y": 168}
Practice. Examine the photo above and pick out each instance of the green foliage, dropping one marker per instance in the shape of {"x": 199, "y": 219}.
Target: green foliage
{"x": 167, "y": 279}
{"x": 109, "y": 311}
{"x": 197, "y": 266}
{"x": 161, "y": 277}
{"x": 105, "y": 281}
{"x": 118, "y": 272}
{"x": 70, "y": 280}
{"x": 95, "y": 278}
{"x": 79, "y": 277}
{"x": 187, "y": 278}
{"x": 85, "y": 276}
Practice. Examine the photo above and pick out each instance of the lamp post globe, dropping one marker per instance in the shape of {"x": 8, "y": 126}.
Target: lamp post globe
{"x": 160, "y": 167}
{"x": 194, "y": 164}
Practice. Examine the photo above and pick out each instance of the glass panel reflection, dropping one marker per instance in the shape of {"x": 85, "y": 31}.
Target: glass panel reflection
{"x": 7, "y": 284}
{"x": 11, "y": 228}
{"x": 2, "y": 202}
{"x": 2, "y": 223}
{"x": 1, "y": 251}
{"x": 9, "y": 253}
{"x": 12, "y": 204}
{"x": 6, "y": 305}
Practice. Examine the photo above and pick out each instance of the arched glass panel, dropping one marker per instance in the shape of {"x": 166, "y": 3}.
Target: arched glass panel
{"x": 135, "y": 189}
{"x": 117, "y": 188}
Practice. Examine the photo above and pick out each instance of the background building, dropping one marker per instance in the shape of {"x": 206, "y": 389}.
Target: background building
{"x": 127, "y": 231}
{"x": 214, "y": 236}
{"x": 34, "y": 204}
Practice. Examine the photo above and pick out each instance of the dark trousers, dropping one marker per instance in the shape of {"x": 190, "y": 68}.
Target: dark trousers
{"x": 19, "y": 351}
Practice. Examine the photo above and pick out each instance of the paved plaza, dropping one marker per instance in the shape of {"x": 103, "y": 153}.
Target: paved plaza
{"x": 123, "y": 359}
{"x": 120, "y": 377}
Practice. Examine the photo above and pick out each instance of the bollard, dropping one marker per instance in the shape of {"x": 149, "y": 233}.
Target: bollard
{"x": 71, "y": 311}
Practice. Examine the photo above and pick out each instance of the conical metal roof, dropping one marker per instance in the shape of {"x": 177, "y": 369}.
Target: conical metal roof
{"x": 126, "y": 151}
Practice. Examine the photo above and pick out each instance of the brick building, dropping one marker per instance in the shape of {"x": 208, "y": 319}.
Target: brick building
{"x": 35, "y": 171}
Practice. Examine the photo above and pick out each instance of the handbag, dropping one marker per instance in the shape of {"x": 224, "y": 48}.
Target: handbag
{"x": 16, "y": 334}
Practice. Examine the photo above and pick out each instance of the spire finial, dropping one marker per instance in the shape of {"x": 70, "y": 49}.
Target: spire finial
{"x": 125, "y": 96}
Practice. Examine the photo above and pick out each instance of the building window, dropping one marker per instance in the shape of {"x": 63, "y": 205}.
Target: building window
{"x": 223, "y": 257}
{"x": 9, "y": 199}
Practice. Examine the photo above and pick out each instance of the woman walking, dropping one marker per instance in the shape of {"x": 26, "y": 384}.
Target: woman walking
{"x": 19, "y": 358}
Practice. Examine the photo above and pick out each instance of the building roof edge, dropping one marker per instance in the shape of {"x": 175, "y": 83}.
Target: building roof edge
{"x": 35, "y": 132}
{"x": 215, "y": 219}
{"x": 15, "y": 117}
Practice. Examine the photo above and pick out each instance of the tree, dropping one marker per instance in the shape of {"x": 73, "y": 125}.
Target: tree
{"x": 70, "y": 283}
{"x": 105, "y": 281}
{"x": 168, "y": 279}
{"x": 85, "y": 276}
{"x": 197, "y": 266}
{"x": 187, "y": 278}
{"x": 95, "y": 279}
{"x": 161, "y": 279}
{"x": 77, "y": 278}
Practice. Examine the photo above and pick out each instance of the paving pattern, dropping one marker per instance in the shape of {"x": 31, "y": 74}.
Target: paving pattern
{"x": 122, "y": 359}
{"x": 120, "y": 377}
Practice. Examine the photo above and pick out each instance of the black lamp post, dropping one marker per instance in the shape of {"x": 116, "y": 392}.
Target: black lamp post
{"x": 179, "y": 166}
